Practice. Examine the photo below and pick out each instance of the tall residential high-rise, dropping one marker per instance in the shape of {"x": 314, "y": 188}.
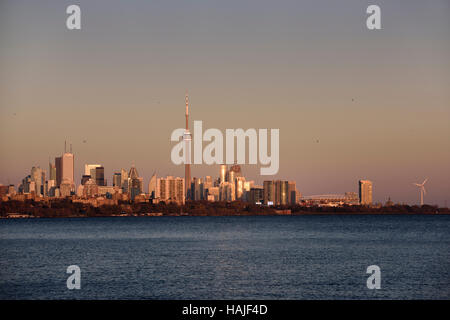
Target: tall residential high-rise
{"x": 27, "y": 186}
{"x": 292, "y": 193}
{"x": 256, "y": 195}
{"x": 171, "y": 189}
{"x": 227, "y": 191}
{"x": 248, "y": 185}
{"x": 281, "y": 192}
{"x": 187, "y": 141}
{"x": 365, "y": 192}
{"x": 38, "y": 177}
{"x": 124, "y": 180}
{"x": 276, "y": 192}
{"x": 269, "y": 193}
{"x": 117, "y": 180}
{"x": 240, "y": 187}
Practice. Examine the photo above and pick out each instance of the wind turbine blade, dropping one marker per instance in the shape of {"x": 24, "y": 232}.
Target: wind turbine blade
{"x": 424, "y": 191}
{"x": 416, "y": 184}
{"x": 424, "y": 181}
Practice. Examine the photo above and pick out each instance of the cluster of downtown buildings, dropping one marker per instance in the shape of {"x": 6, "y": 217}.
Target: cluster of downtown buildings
{"x": 230, "y": 185}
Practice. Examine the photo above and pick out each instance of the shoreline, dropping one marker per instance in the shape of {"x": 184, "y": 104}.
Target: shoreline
{"x": 67, "y": 208}
{"x": 23, "y": 216}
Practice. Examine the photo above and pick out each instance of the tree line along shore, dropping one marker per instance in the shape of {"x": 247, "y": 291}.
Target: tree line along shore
{"x": 67, "y": 208}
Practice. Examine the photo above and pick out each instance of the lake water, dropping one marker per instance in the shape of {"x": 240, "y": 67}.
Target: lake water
{"x": 259, "y": 257}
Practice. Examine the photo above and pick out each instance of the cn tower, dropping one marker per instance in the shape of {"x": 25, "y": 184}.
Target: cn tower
{"x": 187, "y": 163}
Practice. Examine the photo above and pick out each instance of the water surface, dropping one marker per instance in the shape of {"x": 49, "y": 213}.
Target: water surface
{"x": 283, "y": 257}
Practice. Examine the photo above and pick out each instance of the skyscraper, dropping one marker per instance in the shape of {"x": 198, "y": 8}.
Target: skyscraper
{"x": 51, "y": 171}
{"x": 64, "y": 166}
{"x": 38, "y": 176}
{"x": 67, "y": 167}
{"x": 269, "y": 193}
{"x": 281, "y": 192}
{"x": 231, "y": 177}
{"x": 256, "y": 195}
{"x": 239, "y": 186}
{"x": 227, "y": 191}
{"x": 187, "y": 140}
{"x": 89, "y": 170}
{"x": 117, "y": 180}
{"x": 134, "y": 183}
{"x": 100, "y": 176}
{"x": 223, "y": 172}
{"x": 58, "y": 167}
{"x": 365, "y": 192}
{"x": 292, "y": 192}
{"x": 124, "y": 180}
{"x": 170, "y": 189}
{"x": 276, "y": 192}
{"x": 197, "y": 189}
{"x": 152, "y": 186}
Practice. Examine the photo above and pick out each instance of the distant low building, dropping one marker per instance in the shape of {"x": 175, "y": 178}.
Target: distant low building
{"x": 331, "y": 200}
{"x": 3, "y": 190}
{"x": 389, "y": 202}
{"x": 256, "y": 195}
{"x": 212, "y": 194}
{"x": 90, "y": 189}
{"x": 11, "y": 190}
{"x": 66, "y": 188}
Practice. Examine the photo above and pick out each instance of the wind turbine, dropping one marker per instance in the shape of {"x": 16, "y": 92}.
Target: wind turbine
{"x": 422, "y": 190}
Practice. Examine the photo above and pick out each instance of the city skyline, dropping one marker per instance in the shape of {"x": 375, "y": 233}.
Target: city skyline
{"x": 350, "y": 103}
{"x": 68, "y": 175}
{"x": 91, "y": 173}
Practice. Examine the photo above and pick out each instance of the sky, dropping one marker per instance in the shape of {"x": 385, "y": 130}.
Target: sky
{"x": 350, "y": 103}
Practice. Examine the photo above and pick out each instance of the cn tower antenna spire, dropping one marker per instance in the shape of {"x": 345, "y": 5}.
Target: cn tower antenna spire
{"x": 187, "y": 110}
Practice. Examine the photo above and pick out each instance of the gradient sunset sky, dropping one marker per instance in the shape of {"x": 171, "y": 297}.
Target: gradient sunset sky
{"x": 350, "y": 103}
